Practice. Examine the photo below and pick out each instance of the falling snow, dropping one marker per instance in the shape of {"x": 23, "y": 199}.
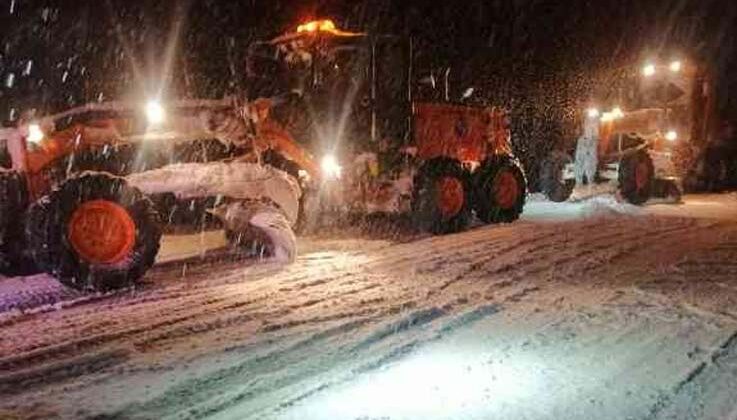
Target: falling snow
{"x": 589, "y": 309}
{"x": 557, "y": 316}
{"x": 10, "y": 80}
{"x": 29, "y": 66}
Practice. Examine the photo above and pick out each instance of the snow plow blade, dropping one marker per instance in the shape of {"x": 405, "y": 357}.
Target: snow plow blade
{"x": 260, "y": 204}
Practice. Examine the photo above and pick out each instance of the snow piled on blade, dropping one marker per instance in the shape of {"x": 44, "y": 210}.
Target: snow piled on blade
{"x": 237, "y": 180}
{"x": 277, "y": 228}
{"x": 242, "y": 217}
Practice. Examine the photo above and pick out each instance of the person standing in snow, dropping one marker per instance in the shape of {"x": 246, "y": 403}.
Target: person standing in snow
{"x": 586, "y": 152}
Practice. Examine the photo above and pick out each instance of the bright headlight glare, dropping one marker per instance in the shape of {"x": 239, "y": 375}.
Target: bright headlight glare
{"x": 649, "y": 70}
{"x": 35, "y": 134}
{"x": 671, "y": 135}
{"x": 592, "y": 113}
{"x": 155, "y": 112}
{"x": 615, "y": 114}
{"x": 330, "y": 167}
{"x": 675, "y": 66}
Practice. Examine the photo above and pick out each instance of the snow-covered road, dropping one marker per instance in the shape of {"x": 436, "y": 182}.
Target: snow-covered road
{"x": 579, "y": 311}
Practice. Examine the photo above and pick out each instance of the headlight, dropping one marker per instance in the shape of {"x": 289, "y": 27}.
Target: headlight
{"x": 649, "y": 70}
{"x": 155, "y": 112}
{"x": 672, "y": 135}
{"x": 35, "y": 134}
{"x": 612, "y": 115}
{"x": 330, "y": 167}
{"x": 675, "y": 66}
{"x": 592, "y": 113}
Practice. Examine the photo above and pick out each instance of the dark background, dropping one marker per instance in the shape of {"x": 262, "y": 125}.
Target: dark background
{"x": 543, "y": 59}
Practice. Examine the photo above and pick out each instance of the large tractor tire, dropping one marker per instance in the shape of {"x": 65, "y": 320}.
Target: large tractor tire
{"x": 94, "y": 233}
{"x": 440, "y": 200}
{"x": 552, "y": 184}
{"x": 500, "y": 190}
{"x": 13, "y": 203}
{"x": 636, "y": 175}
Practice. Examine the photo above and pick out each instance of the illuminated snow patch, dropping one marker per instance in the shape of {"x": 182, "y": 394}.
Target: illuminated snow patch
{"x": 432, "y": 386}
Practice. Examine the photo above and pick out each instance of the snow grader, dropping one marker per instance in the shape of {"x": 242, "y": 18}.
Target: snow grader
{"x": 389, "y": 144}
{"x": 86, "y": 192}
{"x": 645, "y": 146}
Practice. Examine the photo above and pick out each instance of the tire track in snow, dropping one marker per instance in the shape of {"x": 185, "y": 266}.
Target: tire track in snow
{"x": 402, "y": 332}
{"x": 394, "y": 327}
{"x": 708, "y": 391}
{"x": 360, "y": 357}
{"x": 290, "y": 303}
{"x": 704, "y": 286}
{"x": 507, "y": 249}
{"x": 539, "y": 259}
{"x": 19, "y": 381}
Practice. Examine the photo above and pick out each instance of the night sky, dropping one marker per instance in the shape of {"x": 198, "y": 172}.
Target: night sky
{"x": 543, "y": 59}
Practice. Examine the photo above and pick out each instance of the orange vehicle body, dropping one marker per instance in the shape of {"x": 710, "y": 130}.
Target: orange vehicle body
{"x": 692, "y": 114}
{"x": 467, "y": 134}
{"x": 62, "y": 143}
{"x": 96, "y": 134}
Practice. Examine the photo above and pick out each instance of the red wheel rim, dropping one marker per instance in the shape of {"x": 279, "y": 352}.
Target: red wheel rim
{"x": 101, "y": 232}
{"x": 506, "y": 190}
{"x": 642, "y": 175}
{"x": 450, "y": 196}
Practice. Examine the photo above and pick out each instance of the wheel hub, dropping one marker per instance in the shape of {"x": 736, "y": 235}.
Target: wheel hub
{"x": 506, "y": 190}
{"x": 101, "y": 232}
{"x": 450, "y": 196}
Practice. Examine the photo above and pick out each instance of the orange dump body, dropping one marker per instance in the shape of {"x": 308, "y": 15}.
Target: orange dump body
{"x": 468, "y": 134}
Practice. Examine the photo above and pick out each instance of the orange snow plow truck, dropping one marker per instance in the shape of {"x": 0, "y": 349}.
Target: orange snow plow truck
{"x": 647, "y": 144}
{"x": 85, "y": 194}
